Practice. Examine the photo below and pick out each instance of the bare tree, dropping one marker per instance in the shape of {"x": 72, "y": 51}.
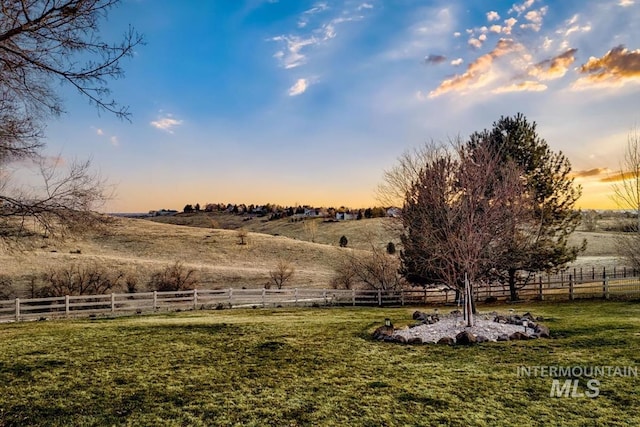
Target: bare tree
{"x": 455, "y": 215}
{"x": 371, "y": 269}
{"x": 79, "y": 279}
{"x": 310, "y": 227}
{"x": 281, "y": 274}
{"x": 174, "y": 277}
{"x": 626, "y": 188}
{"x": 43, "y": 43}
{"x": 242, "y": 236}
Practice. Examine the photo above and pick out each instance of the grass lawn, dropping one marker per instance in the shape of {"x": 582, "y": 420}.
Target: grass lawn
{"x": 289, "y": 367}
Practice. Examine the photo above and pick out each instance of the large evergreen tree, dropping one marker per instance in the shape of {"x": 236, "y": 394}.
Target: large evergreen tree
{"x": 538, "y": 240}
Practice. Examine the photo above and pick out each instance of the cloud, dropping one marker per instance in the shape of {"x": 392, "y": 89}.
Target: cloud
{"x": 572, "y": 26}
{"x": 555, "y": 67}
{"x": 509, "y": 23}
{"x": 114, "y": 141}
{"x": 626, "y": 3}
{"x": 522, "y": 7}
{"x": 475, "y": 43}
{"x": 166, "y": 123}
{"x": 434, "y": 59}
{"x": 616, "y": 68}
{"x": 317, "y": 8}
{"x": 492, "y": 16}
{"x": 496, "y": 28}
{"x": 526, "y": 86}
{"x": 619, "y": 176}
{"x": 293, "y": 58}
{"x": 457, "y": 34}
{"x": 478, "y": 71}
{"x": 535, "y": 18}
{"x": 299, "y": 87}
{"x": 590, "y": 173}
{"x": 291, "y": 55}
{"x": 99, "y": 132}
{"x": 457, "y": 61}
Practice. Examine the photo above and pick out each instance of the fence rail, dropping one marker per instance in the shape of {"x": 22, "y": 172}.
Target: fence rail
{"x": 128, "y": 303}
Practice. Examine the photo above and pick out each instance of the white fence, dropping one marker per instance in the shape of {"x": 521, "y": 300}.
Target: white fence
{"x": 144, "y": 302}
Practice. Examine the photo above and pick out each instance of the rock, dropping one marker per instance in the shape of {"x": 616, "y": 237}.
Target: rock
{"x": 539, "y": 318}
{"x": 542, "y": 331}
{"x": 518, "y": 336}
{"x": 382, "y": 332}
{"x": 503, "y": 337}
{"x": 465, "y": 338}
{"x": 446, "y": 340}
{"x": 388, "y": 339}
{"x": 501, "y": 319}
{"x": 481, "y": 338}
{"x": 399, "y": 339}
{"x": 490, "y": 300}
{"x": 418, "y": 315}
{"x": 456, "y": 313}
{"x": 528, "y": 316}
{"x": 414, "y": 340}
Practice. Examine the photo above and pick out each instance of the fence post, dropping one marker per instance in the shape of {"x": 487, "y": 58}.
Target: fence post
{"x": 113, "y": 302}
{"x": 401, "y": 296}
{"x": 571, "y": 288}
{"x": 17, "y": 309}
{"x": 66, "y": 305}
{"x": 353, "y": 296}
{"x": 230, "y": 297}
{"x": 195, "y": 299}
{"x": 324, "y": 296}
{"x": 155, "y": 300}
{"x": 296, "y": 297}
{"x": 540, "y": 288}
{"x": 264, "y": 292}
{"x": 380, "y": 297}
{"x": 605, "y": 288}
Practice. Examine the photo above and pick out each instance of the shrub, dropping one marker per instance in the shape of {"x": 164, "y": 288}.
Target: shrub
{"x": 391, "y": 248}
{"x": 6, "y": 288}
{"x": 281, "y": 274}
{"x": 77, "y": 279}
{"x": 175, "y": 277}
{"x": 343, "y": 242}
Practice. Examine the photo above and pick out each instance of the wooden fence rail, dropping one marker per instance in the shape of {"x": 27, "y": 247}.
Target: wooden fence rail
{"x": 128, "y": 303}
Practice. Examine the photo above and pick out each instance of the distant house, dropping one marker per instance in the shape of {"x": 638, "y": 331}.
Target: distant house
{"x": 314, "y": 212}
{"x": 345, "y": 216}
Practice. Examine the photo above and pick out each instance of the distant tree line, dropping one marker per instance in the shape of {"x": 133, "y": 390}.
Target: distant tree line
{"x": 275, "y": 211}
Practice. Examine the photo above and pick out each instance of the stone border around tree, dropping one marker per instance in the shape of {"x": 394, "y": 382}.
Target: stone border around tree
{"x": 388, "y": 333}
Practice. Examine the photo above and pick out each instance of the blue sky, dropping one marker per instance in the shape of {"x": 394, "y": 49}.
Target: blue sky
{"x": 308, "y": 102}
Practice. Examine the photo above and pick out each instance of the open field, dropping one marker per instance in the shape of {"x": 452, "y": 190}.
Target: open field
{"x": 142, "y": 247}
{"x": 309, "y": 367}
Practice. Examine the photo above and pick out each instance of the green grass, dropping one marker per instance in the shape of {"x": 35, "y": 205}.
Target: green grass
{"x": 308, "y": 367}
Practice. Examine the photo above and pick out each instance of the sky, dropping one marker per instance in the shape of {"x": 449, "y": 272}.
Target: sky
{"x": 308, "y": 102}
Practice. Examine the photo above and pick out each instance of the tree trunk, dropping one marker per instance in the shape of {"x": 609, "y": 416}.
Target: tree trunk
{"x": 468, "y": 302}
{"x": 512, "y": 284}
